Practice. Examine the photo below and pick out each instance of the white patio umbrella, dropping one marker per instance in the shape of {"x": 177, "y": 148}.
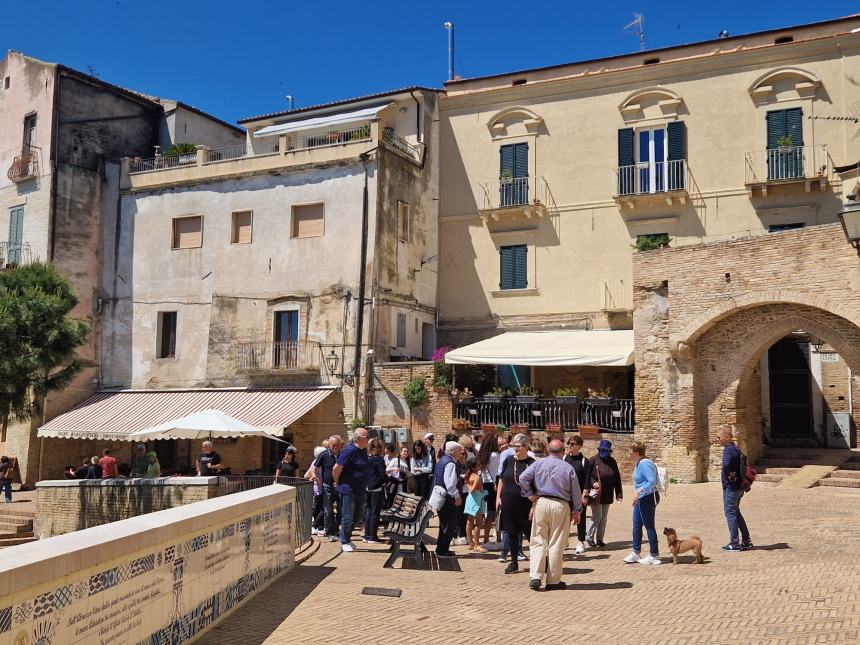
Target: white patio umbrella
{"x": 202, "y": 425}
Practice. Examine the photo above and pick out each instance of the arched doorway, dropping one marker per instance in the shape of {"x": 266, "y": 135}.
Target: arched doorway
{"x": 758, "y": 372}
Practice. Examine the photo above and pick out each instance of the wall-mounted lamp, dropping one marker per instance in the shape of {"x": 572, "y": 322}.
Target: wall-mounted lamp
{"x": 849, "y": 216}
{"x": 331, "y": 362}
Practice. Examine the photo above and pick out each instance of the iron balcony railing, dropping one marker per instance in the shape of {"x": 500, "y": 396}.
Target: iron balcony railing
{"x": 611, "y": 415}
{"x": 650, "y": 177}
{"x": 25, "y": 165}
{"x": 400, "y": 144}
{"x": 226, "y": 153}
{"x": 787, "y": 163}
{"x": 513, "y": 192}
{"x": 162, "y": 162}
{"x": 13, "y": 254}
{"x": 286, "y": 355}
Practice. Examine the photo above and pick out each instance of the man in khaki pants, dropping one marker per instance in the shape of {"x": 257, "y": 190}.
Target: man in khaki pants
{"x": 552, "y": 486}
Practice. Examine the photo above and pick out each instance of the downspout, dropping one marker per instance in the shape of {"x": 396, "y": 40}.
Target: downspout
{"x": 362, "y": 283}
{"x": 55, "y": 140}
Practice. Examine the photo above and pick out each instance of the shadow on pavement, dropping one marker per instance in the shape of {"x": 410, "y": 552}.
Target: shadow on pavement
{"x": 569, "y": 571}
{"x": 772, "y": 547}
{"x": 598, "y": 586}
{"x": 434, "y": 563}
{"x": 570, "y": 557}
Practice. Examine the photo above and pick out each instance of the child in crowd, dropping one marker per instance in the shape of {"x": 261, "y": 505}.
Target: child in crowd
{"x": 476, "y": 506}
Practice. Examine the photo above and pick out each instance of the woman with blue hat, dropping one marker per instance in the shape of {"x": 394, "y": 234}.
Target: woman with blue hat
{"x": 604, "y": 472}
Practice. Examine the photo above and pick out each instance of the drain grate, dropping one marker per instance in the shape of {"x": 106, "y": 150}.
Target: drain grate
{"x": 381, "y": 591}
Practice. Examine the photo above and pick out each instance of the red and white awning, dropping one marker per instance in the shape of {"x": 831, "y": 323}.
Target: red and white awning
{"x": 113, "y": 416}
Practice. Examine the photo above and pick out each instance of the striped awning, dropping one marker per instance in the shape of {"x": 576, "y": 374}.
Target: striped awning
{"x": 113, "y": 416}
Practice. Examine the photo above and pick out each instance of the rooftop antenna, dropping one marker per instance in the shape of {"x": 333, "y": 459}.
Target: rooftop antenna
{"x": 449, "y": 27}
{"x": 638, "y": 26}
{"x": 289, "y": 98}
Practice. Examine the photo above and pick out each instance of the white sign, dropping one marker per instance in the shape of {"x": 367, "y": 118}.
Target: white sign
{"x": 829, "y": 357}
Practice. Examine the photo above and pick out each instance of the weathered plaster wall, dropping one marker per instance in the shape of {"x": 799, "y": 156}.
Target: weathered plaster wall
{"x": 181, "y": 125}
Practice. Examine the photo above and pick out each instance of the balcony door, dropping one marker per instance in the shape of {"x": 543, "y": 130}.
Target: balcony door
{"x": 785, "y": 144}
{"x": 651, "y": 153}
{"x": 286, "y": 347}
{"x": 514, "y": 175}
{"x": 16, "y": 235}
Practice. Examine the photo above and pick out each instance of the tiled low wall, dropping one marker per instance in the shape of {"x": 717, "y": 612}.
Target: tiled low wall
{"x": 164, "y": 577}
{"x": 67, "y": 505}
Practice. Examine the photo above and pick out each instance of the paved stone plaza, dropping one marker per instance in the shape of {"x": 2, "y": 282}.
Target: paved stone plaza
{"x": 801, "y": 585}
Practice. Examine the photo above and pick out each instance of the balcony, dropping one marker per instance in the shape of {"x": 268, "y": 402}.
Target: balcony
{"x": 567, "y": 413}
{"x": 25, "y": 165}
{"x": 401, "y": 145}
{"x": 280, "y": 356}
{"x": 648, "y": 183}
{"x": 808, "y": 165}
{"x": 11, "y": 255}
{"x": 527, "y": 196}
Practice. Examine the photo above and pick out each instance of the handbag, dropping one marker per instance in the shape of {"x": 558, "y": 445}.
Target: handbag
{"x": 596, "y": 488}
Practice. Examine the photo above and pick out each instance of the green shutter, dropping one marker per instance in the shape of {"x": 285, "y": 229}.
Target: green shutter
{"x": 794, "y": 125}
{"x": 506, "y": 267}
{"x": 16, "y": 235}
{"x": 776, "y": 128}
{"x": 506, "y": 161}
{"x": 676, "y": 133}
{"x": 520, "y": 270}
{"x": 625, "y": 161}
{"x": 521, "y": 160}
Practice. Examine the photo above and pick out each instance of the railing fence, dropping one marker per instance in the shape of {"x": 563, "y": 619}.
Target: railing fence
{"x": 612, "y": 415}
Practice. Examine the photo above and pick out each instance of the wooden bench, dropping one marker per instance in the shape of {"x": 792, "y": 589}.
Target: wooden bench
{"x": 409, "y": 533}
{"x": 404, "y": 507}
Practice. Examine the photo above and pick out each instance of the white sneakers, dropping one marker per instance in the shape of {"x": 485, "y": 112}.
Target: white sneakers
{"x": 634, "y": 556}
{"x": 580, "y": 548}
{"x": 347, "y": 548}
{"x": 522, "y": 556}
{"x": 461, "y": 541}
{"x": 650, "y": 560}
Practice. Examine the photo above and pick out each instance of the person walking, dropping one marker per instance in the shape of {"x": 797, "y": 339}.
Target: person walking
{"x": 645, "y": 500}
{"x": 376, "y": 481}
{"x": 513, "y": 504}
{"x": 422, "y": 469}
{"x": 350, "y": 475}
{"x": 488, "y": 465}
{"x": 732, "y": 477}
{"x": 331, "y": 501}
{"x": 446, "y": 498}
{"x": 556, "y": 493}
{"x": 209, "y": 462}
{"x": 582, "y": 467}
{"x": 7, "y": 475}
{"x": 108, "y": 464}
{"x": 604, "y": 469}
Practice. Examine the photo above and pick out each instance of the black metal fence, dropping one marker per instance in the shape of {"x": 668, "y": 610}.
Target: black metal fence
{"x": 303, "y": 518}
{"x": 610, "y": 415}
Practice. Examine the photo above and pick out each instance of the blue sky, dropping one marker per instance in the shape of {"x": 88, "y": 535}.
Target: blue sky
{"x": 237, "y": 60}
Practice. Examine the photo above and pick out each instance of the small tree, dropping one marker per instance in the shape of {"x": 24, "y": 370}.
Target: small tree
{"x": 415, "y": 393}
{"x": 181, "y": 149}
{"x": 38, "y": 339}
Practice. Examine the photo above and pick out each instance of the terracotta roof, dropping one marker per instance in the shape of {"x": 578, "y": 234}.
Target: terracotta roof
{"x": 115, "y": 415}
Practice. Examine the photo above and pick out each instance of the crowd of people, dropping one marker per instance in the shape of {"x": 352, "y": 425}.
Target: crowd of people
{"x": 513, "y": 486}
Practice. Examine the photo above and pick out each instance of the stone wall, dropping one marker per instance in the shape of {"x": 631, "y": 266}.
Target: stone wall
{"x": 390, "y": 410}
{"x": 64, "y": 506}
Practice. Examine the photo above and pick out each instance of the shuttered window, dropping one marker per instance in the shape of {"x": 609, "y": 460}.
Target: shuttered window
{"x": 188, "y": 232}
{"x": 308, "y": 220}
{"x": 401, "y": 330}
{"x": 241, "y": 228}
{"x": 514, "y": 160}
{"x": 512, "y": 267}
{"x": 676, "y": 148}
{"x": 626, "y": 171}
{"x": 784, "y": 123}
{"x": 16, "y": 235}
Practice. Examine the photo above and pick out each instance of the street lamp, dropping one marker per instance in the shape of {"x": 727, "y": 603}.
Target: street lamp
{"x": 849, "y": 216}
{"x": 331, "y": 362}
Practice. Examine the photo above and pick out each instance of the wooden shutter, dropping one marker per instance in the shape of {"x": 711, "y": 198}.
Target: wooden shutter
{"x": 401, "y": 330}
{"x": 506, "y": 161}
{"x": 188, "y": 232}
{"x": 625, "y": 147}
{"x": 16, "y": 226}
{"x": 308, "y": 220}
{"x": 521, "y": 160}
{"x": 520, "y": 268}
{"x": 506, "y": 267}
{"x": 776, "y": 129}
{"x": 241, "y": 228}
{"x": 676, "y": 133}
{"x": 794, "y": 125}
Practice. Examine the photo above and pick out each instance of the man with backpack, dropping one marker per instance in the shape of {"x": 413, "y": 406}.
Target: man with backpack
{"x": 735, "y": 483}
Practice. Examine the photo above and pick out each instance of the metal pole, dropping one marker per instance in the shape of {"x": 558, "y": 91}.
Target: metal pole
{"x": 449, "y": 26}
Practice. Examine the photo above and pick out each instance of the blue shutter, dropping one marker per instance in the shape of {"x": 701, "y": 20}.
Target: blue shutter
{"x": 506, "y": 160}
{"x": 676, "y": 131}
{"x": 625, "y": 161}
{"x": 16, "y": 235}
{"x": 521, "y": 160}
{"x": 794, "y": 125}
{"x": 520, "y": 270}
{"x": 776, "y": 129}
{"x": 506, "y": 267}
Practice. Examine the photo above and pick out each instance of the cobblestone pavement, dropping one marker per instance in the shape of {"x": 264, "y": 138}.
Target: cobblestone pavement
{"x": 800, "y": 585}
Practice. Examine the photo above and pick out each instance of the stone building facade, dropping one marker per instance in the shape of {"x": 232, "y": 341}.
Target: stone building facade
{"x": 706, "y": 316}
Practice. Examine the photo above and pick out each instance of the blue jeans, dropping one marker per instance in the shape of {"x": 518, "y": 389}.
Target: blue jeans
{"x": 351, "y": 508}
{"x": 6, "y": 487}
{"x": 331, "y": 519}
{"x": 643, "y": 515}
{"x": 731, "y": 507}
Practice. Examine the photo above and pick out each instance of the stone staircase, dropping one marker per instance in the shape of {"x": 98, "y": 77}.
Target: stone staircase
{"x": 16, "y": 527}
{"x": 776, "y": 465}
{"x": 847, "y": 475}
{"x": 804, "y": 467}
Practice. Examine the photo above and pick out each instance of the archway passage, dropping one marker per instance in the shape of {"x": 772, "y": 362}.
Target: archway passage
{"x": 759, "y": 372}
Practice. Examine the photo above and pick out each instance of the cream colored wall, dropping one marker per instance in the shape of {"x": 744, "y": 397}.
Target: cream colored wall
{"x": 587, "y": 240}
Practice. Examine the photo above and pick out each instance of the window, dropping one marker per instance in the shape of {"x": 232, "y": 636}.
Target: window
{"x": 6, "y": 83}
{"x": 514, "y": 174}
{"x": 776, "y": 228}
{"x": 16, "y": 235}
{"x": 512, "y": 267}
{"x": 651, "y": 160}
{"x": 401, "y": 330}
{"x": 241, "y": 229}
{"x": 188, "y": 232}
{"x": 286, "y": 349}
{"x": 29, "y": 131}
{"x": 166, "y": 341}
{"x": 785, "y": 159}
{"x": 402, "y": 221}
{"x": 308, "y": 220}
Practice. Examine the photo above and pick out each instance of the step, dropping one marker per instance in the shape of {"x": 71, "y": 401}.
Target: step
{"x": 15, "y": 519}
{"x": 840, "y": 482}
{"x": 850, "y": 465}
{"x": 782, "y": 463}
{"x": 774, "y": 470}
{"x": 767, "y": 477}
{"x": 846, "y": 474}
{"x": 9, "y": 509}
{"x": 16, "y": 528}
{"x": 17, "y": 540}
{"x": 15, "y": 536}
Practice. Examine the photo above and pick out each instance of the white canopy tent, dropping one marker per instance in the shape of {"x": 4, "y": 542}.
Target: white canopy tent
{"x": 202, "y": 425}
{"x": 330, "y": 120}
{"x": 604, "y": 348}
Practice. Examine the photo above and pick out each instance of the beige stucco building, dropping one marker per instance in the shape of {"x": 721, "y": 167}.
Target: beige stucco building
{"x": 550, "y": 177}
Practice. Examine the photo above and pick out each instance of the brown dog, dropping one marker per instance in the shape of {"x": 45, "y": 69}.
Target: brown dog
{"x": 676, "y": 546}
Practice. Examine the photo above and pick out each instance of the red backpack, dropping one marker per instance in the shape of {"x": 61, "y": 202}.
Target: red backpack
{"x": 748, "y": 473}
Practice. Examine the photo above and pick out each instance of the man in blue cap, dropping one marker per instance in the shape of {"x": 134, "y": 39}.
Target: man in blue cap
{"x": 604, "y": 469}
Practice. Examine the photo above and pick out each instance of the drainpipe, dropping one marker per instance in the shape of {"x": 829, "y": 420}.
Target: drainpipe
{"x": 359, "y": 323}
{"x": 55, "y": 136}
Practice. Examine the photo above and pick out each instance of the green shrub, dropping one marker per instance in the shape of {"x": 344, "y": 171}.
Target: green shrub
{"x": 415, "y": 393}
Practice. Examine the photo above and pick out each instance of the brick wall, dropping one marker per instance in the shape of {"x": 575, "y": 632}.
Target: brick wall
{"x": 390, "y": 410}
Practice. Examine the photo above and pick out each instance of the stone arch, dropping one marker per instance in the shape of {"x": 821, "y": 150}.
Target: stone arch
{"x": 801, "y": 81}
{"x": 650, "y": 102}
{"x": 501, "y": 121}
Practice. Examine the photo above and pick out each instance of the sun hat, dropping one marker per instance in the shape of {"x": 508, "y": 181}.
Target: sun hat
{"x": 429, "y": 435}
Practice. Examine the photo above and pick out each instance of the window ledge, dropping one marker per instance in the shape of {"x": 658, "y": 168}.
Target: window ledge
{"x": 511, "y": 293}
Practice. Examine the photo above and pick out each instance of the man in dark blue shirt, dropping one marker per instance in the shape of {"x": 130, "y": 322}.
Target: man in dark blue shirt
{"x": 326, "y": 462}
{"x": 732, "y": 478}
{"x": 350, "y": 475}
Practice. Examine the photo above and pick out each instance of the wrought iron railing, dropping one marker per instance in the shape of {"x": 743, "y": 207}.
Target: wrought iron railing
{"x": 400, "y": 144}
{"x": 162, "y": 162}
{"x": 512, "y": 192}
{"x": 650, "y": 177}
{"x": 284, "y": 355}
{"x": 25, "y": 165}
{"x": 611, "y": 415}
{"x": 15, "y": 254}
{"x": 303, "y": 517}
{"x": 226, "y": 153}
{"x": 787, "y": 163}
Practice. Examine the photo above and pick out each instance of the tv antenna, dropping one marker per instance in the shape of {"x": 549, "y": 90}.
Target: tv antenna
{"x": 638, "y": 29}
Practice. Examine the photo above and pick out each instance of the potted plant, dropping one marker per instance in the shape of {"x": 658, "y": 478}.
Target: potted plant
{"x": 600, "y": 398}
{"x": 526, "y": 394}
{"x": 785, "y": 143}
{"x": 460, "y": 425}
{"x": 567, "y": 395}
{"x": 496, "y": 395}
